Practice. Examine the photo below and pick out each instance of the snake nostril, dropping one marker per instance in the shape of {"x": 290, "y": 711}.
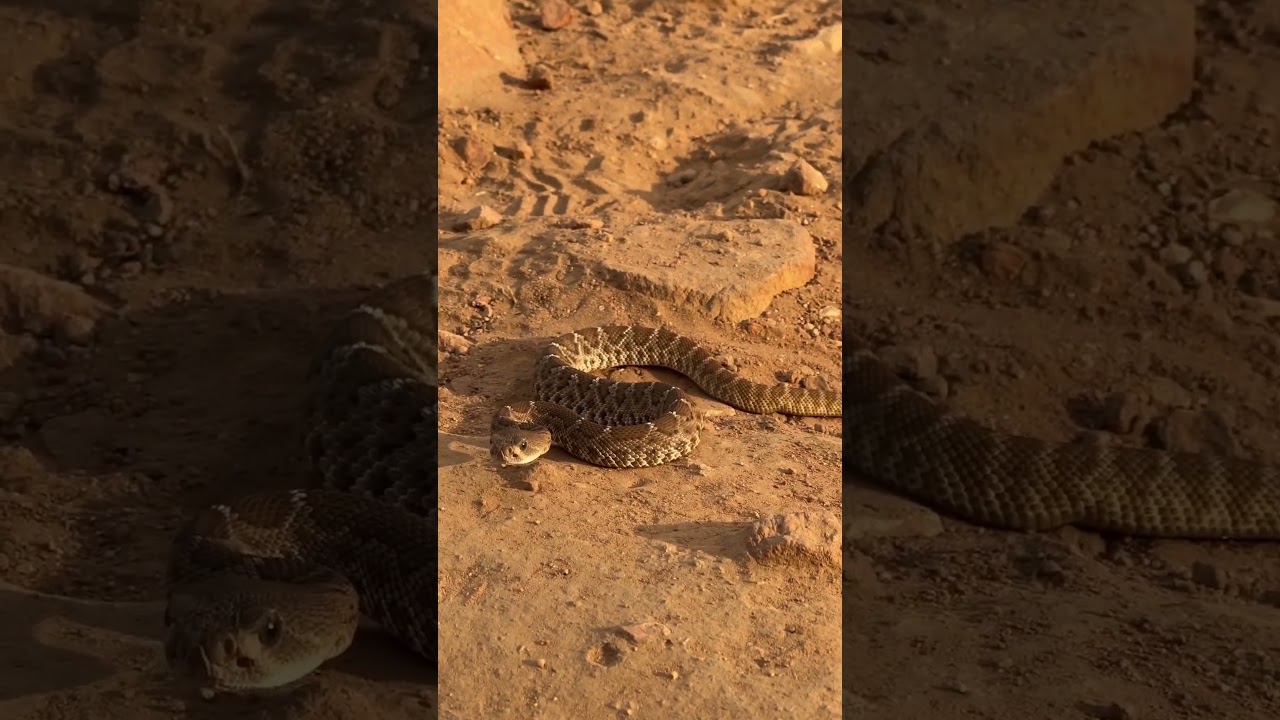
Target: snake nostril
{"x": 228, "y": 647}
{"x": 244, "y": 662}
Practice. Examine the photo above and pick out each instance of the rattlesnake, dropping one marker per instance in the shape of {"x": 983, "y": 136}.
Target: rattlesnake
{"x": 265, "y": 588}
{"x": 630, "y": 424}
{"x": 897, "y": 437}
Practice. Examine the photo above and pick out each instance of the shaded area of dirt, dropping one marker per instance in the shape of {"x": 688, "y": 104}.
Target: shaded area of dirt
{"x": 188, "y": 193}
{"x": 1132, "y": 299}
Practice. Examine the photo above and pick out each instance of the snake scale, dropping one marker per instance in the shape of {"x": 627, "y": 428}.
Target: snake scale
{"x": 897, "y": 437}
{"x": 631, "y": 424}
{"x": 265, "y": 588}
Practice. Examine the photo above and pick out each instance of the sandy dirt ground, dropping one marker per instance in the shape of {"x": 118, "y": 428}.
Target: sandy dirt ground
{"x": 647, "y": 184}
{"x": 1132, "y": 297}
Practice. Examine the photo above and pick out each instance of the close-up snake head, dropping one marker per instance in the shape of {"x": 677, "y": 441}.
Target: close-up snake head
{"x": 222, "y": 635}
{"x": 518, "y": 446}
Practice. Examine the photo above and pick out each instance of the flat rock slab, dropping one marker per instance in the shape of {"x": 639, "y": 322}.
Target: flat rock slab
{"x": 812, "y": 537}
{"x": 732, "y": 269}
{"x": 42, "y": 305}
{"x": 477, "y": 45}
{"x": 968, "y": 135}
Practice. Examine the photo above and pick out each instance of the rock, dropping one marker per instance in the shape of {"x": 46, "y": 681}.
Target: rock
{"x": 1175, "y": 254}
{"x": 478, "y": 218}
{"x": 77, "y": 440}
{"x": 20, "y": 470}
{"x": 803, "y": 179}
{"x": 681, "y": 177}
{"x": 43, "y": 306}
{"x": 1203, "y": 432}
{"x": 555, "y": 14}
{"x": 807, "y": 537}
{"x": 541, "y": 77}
{"x": 79, "y": 264}
{"x": 858, "y": 569}
{"x": 1004, "y": 261}
{"x": 159, "y": 207}
{"x": 522, "y": 150}
{"x": 1242, "y": 208}
{"x": 1157, "y": 276}
{"x": 733, "y": 280}
{"x": 816, "y": 382}
{"x": 943, "y": 169}
{"x": 1055, "y": 242}
{"x": 452, "y": 343}
{"x": 1125, "y": 412}
{"x": 934, "y": 386}
{"x": 1231, "y": 235}
{"x": 477, "y": 44}
{"x": 76, "y": 329}
{"x": 1113, "y": 711}
{"x": 641, "y": 633}
{"x": 1195, "y": 273}
{"x": 1207, "y": 575}
{"x": 1037, "y": 566}
{"x": 1168, "y": 393}
{"x": 1229, "y": 266}
{"x": 476, "y": 153}
{"x": 914, "y": 361}
{"x": 827, "y": 41}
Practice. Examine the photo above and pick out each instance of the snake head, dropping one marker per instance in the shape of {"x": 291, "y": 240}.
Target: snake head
{"x": 518, "y": 446}
{"x": 226, "y": 632}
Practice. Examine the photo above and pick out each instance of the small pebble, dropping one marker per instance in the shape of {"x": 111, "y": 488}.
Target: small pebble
{"x": 478, "y": 218}
{"x": 555, "y": 14}
{"x": 803, "y": 179}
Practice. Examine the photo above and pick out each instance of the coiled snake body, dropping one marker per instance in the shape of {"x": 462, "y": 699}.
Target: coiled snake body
{"x": 899, "y": 438}
{"x": 265, "y": 588}
{"x": 630, "y": 424}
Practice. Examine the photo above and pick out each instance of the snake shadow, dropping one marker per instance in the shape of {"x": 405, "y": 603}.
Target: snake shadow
{"x": 52, "y": 643}
{"x": 377, "y": 656}
{"x": 460, "y": 449}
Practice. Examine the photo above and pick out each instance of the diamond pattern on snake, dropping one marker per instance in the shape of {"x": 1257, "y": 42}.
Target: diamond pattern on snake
{"x": 266, "y": 587}
{"x": 630, "y": 424}
{"x": 899, "y": 438}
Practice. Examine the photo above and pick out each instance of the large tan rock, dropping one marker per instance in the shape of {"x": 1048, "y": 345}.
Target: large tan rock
{"x": 477, "y": 45}
{"x": 969, "y": 136}
{"x": 730, "y": 269}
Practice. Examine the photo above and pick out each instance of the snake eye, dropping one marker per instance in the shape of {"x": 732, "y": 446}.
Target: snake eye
{"x": 524, "y": 444}
{"x": 271, "y": 629}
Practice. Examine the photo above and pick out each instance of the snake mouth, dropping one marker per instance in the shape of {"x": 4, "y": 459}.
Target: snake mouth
{"x": 517, "y": 462}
